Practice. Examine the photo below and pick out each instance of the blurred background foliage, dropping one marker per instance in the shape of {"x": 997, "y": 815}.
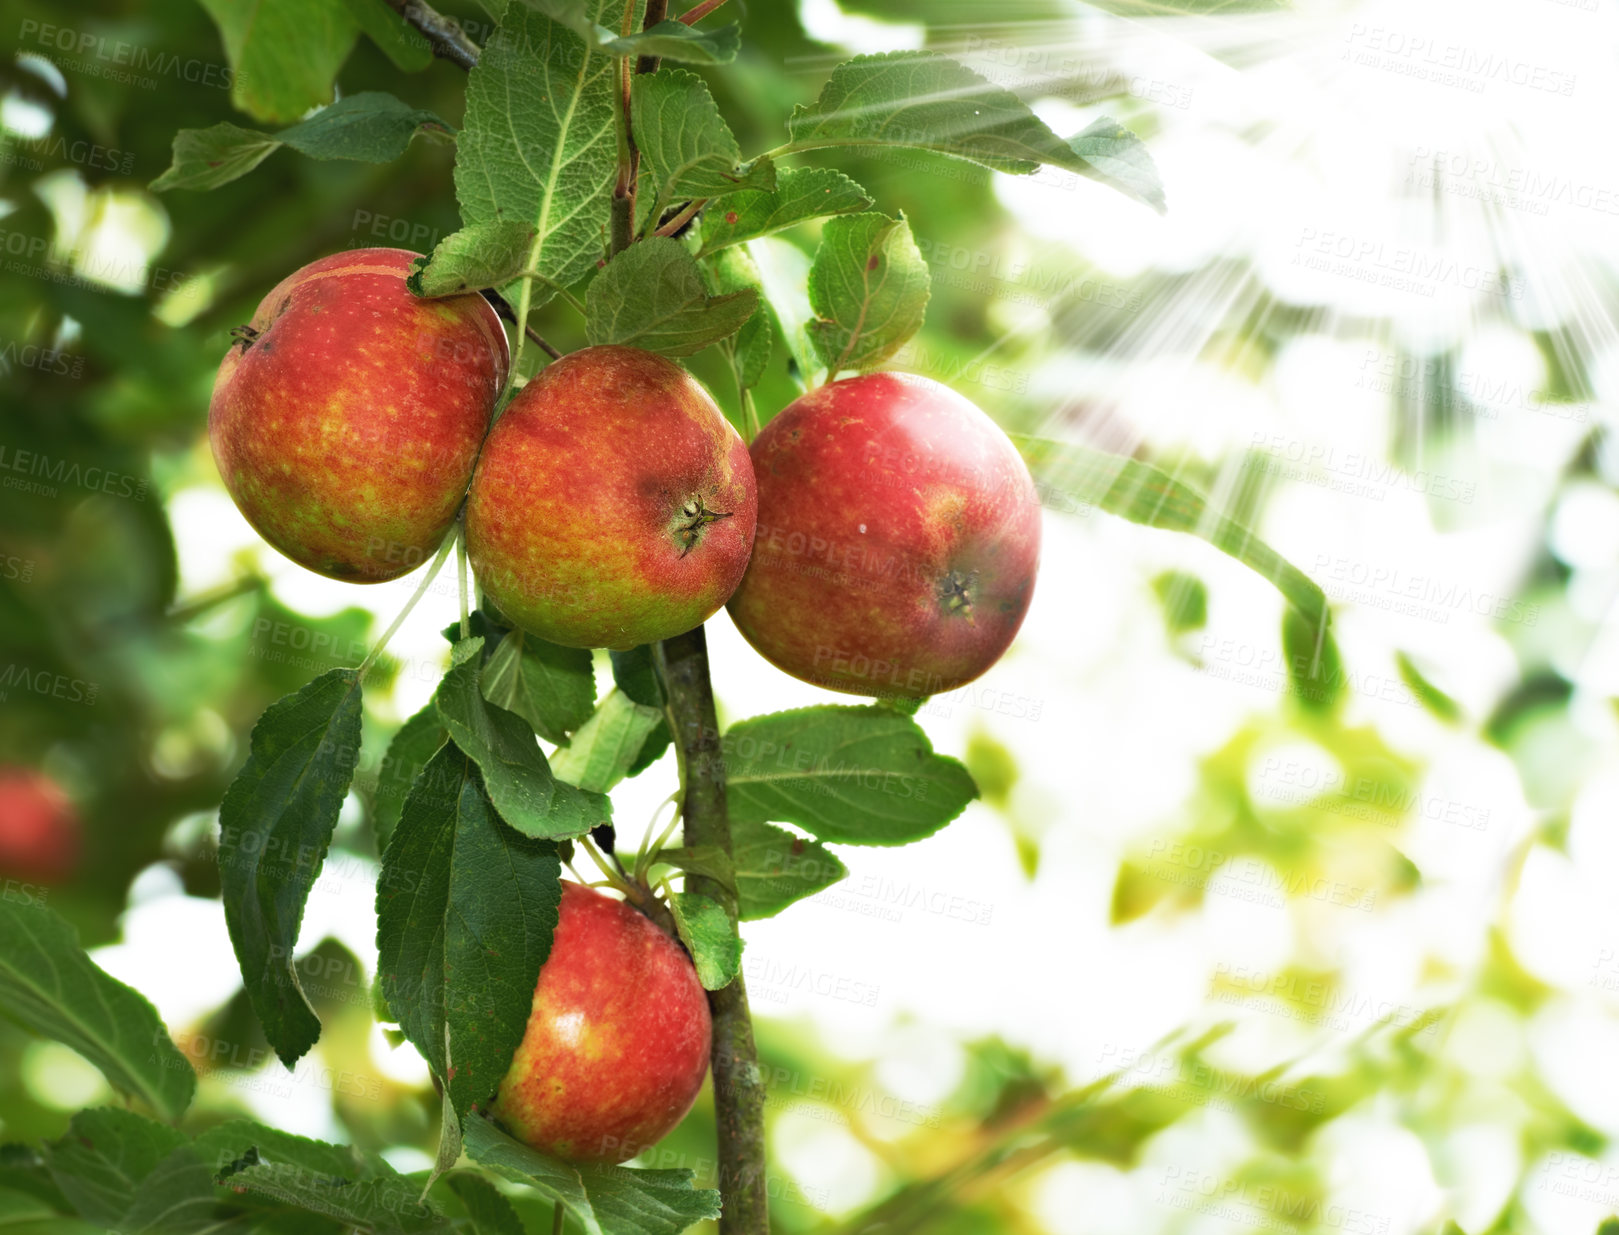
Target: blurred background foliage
{"x": 1395, "y": 1038}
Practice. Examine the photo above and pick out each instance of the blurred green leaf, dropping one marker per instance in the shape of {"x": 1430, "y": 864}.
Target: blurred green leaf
{"x": 488, "y": 1211}
{"x": 1185, "y": 600}
{"x": 1315, "y": 671}
{"x": 284, "y": 53}
{"x": 466, "y": 909}
{"x": 275, "y": 824}
{"x": 1431, "y": 697}
{"x": 51, "y": 987}
{"x": 927, "y": 101}
{"x": 869, "y": 290}
{"x": 652, "y": 296}
{"x": 861, "y": 775}
{"x": 1145, "y": 494}
{"x": 104, "y": 1157}
{"x": 401, "y": 42}
{"x": 673, "y": 40}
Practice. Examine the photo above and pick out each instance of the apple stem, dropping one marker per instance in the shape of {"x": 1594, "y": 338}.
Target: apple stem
{"x": 556, "y": 1219}
{"x": 739, "y": 1090}
{"x": 461, "y": 571}
{"x": 421, "y": 590}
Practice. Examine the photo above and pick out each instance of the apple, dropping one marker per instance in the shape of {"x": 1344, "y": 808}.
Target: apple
{"x": 617, "y": 1045}
{"x": 613, "y": 503}
{"x": 39, "y": 830}
{"x": 898, "y": 539}
{"x": 346, "y": 418}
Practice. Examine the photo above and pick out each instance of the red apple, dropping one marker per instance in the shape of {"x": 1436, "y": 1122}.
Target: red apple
{"x": 613, "y": 504}
{"x": 898, "y": 539}
{"x": 347, "y": 417}
{"x": 39, "y": 830}
{"x": 617, "y": 1045}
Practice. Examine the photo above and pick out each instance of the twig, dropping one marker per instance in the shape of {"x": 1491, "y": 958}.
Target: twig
{"x": 697, "y": 12}
{"x": 739, "y": 1091}
{"x": 443, "y": 33}
{"x": 673, "y": 226}
{"x": 656, "y": 11}
{"x": 534, "y": 337}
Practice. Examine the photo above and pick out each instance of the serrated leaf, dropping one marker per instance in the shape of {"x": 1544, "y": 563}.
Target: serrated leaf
{"x": 607, "y": 745}
{"x": 674, "y": 40}
{"x": 466, "y": 908}
{"x": 416, "y": 741}
{"x": 483, "y": 255}
{"x": 868, "y": 289}
{"x": 748, "y": 350}
{"x": 709, "y": 936}
{"x": 519, "y": 781}
{"x": 488, "y": 1211}
{"x": 275, "y": 824}
{"x": 801, "y": 193}
{"x": 100, "y": 1163}
{"x": 861, "y": 775}
{"x": 1145, "y": 494}
{"x": 687, "y": 149}
{"x": 239, "y": 1143}
{"x": 50, "y": 986}
{"x": 368, "y": 128}
{"x": 773, "y": 868}
{"x": 538, "y": 143}
{"x": 1118, "y": 158}
{"x": 176, "y": 1198}
{"x": 208, "y": 158}
{"x": 604, "y": 1200}
{"x": 926, "y": 101}
{"x": 652, "y": 296}
{"x": 551, "y": 687}
{"x": 382, "y": 1203}
{"x": 401, "y": 42}
{"x": 284, "y": 54}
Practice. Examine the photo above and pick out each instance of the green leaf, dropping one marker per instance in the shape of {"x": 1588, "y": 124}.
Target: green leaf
{"x": 1185, "y": 600}
{"x": 1145, "y": 494}
{"x": 175, "y": 1198}
{"x": 208, "y": 158}
{"x": 538, "y": 145}
{"x": 607, "y": 745}
{"x": 869, "y": 291}
{"x": 466, "y": 908}
{"x": 488, "y": 1211}
{"x": 862, "y": 775}
{"x": 449, "y": 1126}
{"x": 519, "y": 781}
{"x": 1118, "y": 158}
{"x": 551, "y": 687}
{"x": 483, "y": 255}
{"x": 417, "y": 740}
{"x": 707, "y": 860}
{"x": 687, "y": 149}
{"x": 636, "y": 675}
{"x": 784, "y": 274}
{"x": 1314, "y": 669}
{"x": 51, "y": 987}
{"x": 674, "y": 40}
{"x": 401, "y": 42}
{"x": 926, "y": 101}
{"x": 1429, "y": 695}
{"x": 368, "y": 128}
{"x": 652, "y": 296}
{"x": 709, "y": 936}
{"x": 275, "y": 824}
{"x": 100, "y": 1163}
{"x": 604, "y": 1200}
{"x": 748, "y": 350}
{"x": 237, "y": 1143}
{"x": 383, "y": 1202}
{"x": 284, "y": 53}
{"x": 801, "y": 193}
{"x": 774, "y": 868}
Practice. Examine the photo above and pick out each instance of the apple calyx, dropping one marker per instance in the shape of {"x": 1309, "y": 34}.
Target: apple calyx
{"x": 247, "y": 336}
{"x": 956, "y": 593}
{"x": 694, "y": 517}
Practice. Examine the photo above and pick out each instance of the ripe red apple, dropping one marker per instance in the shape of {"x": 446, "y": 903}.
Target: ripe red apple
{"x": 898, "y": 539}
{"x": 613, "y": 503}
{"x": 347, "y": 417}
{"x": 617, "y": 1045}
{"x": 39, "y": 830}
